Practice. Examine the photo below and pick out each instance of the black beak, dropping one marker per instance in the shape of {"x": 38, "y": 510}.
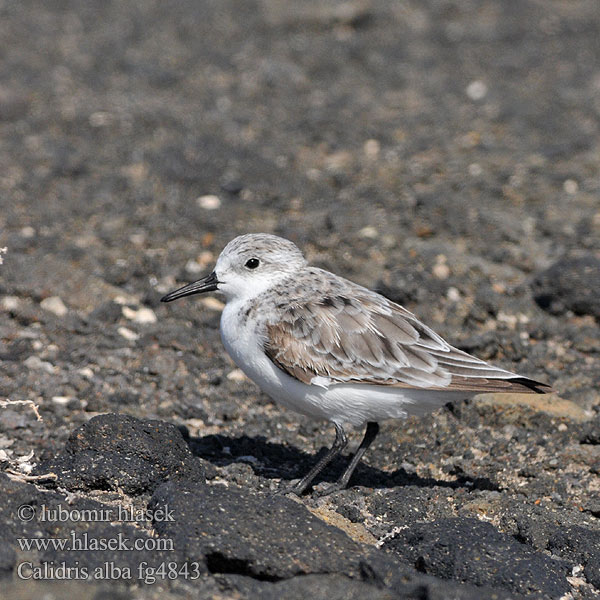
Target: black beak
{"x": 206, "y": 284}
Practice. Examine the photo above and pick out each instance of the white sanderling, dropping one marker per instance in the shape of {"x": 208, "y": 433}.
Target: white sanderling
{"x": 334, "y": 350}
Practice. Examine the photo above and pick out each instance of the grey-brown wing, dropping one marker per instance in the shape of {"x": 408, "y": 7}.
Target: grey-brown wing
{"x": 365, "y": 338}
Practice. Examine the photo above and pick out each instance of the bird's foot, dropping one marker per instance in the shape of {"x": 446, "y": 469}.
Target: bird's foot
{"x": 293, "y": 487}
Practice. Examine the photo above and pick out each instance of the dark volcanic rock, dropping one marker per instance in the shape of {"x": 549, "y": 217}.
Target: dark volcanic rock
{"x": 385, "y": 570}
{"x": 317, "y": 587}
{"x": 473, "y": 551}
{"x": 267, "y": 538}
{"x": 107, "y": 550}
{"x": 8, "y": 558}
{"x": 590, "y": 432}
{"x": 17, "y": 350}
{"x": 255, "y": 541}
{"x": 570, "y": 284}
{"x": 88, "y": 527}
{"x": 340, "y": 587}
{"x": 580, "y": 545}
{"x": 109, "y": 312}
{"x": 115, "y": 451}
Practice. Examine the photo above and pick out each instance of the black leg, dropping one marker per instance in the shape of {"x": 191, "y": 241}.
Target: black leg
{"x": 370, "y": 434}
{"x": 338, "y": 446}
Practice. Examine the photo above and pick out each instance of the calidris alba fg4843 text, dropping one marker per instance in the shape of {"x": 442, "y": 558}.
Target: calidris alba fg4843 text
{"x": 334, "y": 350}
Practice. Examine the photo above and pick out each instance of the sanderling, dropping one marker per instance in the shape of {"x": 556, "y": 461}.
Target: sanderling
{"x": 334, "y": 350}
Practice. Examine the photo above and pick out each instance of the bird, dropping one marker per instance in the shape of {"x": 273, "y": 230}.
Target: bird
{"x": 334, "y": 350}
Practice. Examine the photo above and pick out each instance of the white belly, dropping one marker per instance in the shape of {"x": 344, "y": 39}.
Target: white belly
{"x": 341, "y": 403}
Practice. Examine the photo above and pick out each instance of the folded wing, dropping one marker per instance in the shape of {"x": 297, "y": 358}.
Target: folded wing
{"x": 362, "y": 337}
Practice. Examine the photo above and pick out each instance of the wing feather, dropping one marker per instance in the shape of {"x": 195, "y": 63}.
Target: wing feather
{"x": 350, "y": 334}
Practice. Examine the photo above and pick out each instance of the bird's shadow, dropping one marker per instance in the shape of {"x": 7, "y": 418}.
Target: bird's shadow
{"x": 279, "y": 461}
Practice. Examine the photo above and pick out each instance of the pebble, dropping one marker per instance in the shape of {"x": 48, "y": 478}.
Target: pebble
{"x": 27, "y": 232}
{"x": 54, "y": 305}
{"x": 475, "y": 170}
{"x": 138, "y": 239}
{"x": 209, "y": 202}
{"x": 368, "y": 232}
{"x": 441, "y": 270}
{"x": 371, "y": 148}
{"x": 236, "y": 375}
{"x": 212, "y": 303}
{"x": 477, "y": 90}
{"x": 10, "y": 303}
{"x": 128, "y": 334}
{"x": 86, "y": 372}
{"x": 453, "y": 294}
{"x": 141, "y": 315}
{"x": 34, "y": 362}
{"x": 570, "y": 186}
{"x": 201, "y": 263}
{"x": 193, "y": 267}
{"x": 61, "y": 400}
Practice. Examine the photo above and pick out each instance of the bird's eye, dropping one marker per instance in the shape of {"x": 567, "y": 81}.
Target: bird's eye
{"x": 252, "y": 263}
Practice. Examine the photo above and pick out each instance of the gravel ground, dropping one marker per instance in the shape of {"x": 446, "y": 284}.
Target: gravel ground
{"x": 445, "y": 153}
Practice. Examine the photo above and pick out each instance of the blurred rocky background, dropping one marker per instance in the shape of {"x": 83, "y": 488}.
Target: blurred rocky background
{"x": 443, "y": 152}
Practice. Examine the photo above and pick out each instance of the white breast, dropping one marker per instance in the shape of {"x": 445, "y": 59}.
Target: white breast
{"x": 245, "y": 347}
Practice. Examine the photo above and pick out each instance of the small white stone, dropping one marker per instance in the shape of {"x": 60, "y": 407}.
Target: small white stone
{"x": 368, "y": 232}
{"x": 128, "y": 334}
{"x": 54, "y": 305}
{"x": 27, "y": 232}
{"x": 453, "y": 294}
{"x": 236, "y": 375}
{"x": 441, "y": 270}
{"x": 137, "y": 238}
{"x": 510, "y": 320}
{"x": 10, "y": 302}
{"x": 209, "y": 202}
{"x": 206, "y": 258}
{"x": 212, "y": 303}
{"x": 36, "y": 363}
{"x": 371, "y": 148}
{"x": 202, "y": 262}
{"x": 86, "y": 372}
{"x": 571, "y": 187}
{"x": 193, "y": 267}
{"x": 477, "y": 90}
{"x": 475, "y": 170}
{"x": 61, "y": 400}
{"x": 141, "y": 315}
{"x": 125, "y": 300}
